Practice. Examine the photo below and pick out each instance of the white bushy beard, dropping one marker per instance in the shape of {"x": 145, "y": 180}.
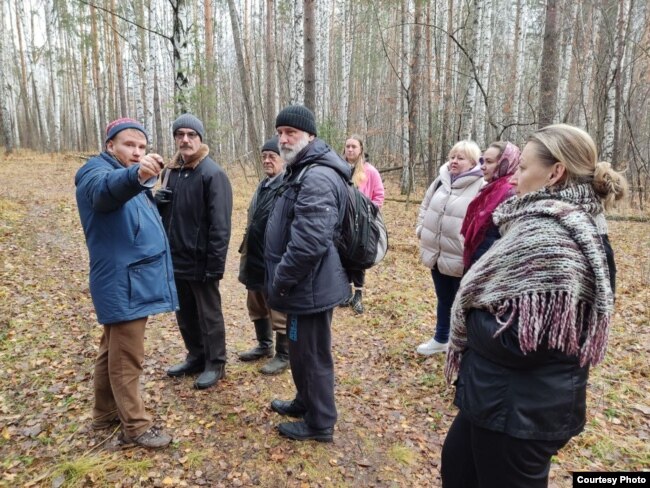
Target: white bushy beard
{"x": 290, "y": 153}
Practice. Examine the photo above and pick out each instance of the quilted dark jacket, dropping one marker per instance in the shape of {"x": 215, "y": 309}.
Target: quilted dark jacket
{"x": 252, "y": 267}
{"x": 304, "y": 274}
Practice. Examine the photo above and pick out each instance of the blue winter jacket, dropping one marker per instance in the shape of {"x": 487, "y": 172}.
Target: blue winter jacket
{"x": 131, "y": 274}
{"x": 304, "y": 274}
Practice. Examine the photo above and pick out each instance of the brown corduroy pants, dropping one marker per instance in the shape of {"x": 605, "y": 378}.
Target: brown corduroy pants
{"x": 117, "y": 377}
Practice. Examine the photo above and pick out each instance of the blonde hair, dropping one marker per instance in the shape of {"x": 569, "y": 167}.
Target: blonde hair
{"x": 469, "y": 148}
{"x": 359, "y": 171}
{"x": 576, "y": 150}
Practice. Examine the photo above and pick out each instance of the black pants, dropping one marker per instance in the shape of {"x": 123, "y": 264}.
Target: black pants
{"x": 312, "y": 366}
{"x": 357, "y": 277}
{"x": 473, "y": 457}
{"x": 200, "y": 320}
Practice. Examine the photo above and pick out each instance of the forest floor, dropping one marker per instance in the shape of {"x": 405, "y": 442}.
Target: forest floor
{"x": 394, "y": 406}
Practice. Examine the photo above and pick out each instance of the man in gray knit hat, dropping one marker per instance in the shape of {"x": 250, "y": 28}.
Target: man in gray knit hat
{"x": 195, "y": 202}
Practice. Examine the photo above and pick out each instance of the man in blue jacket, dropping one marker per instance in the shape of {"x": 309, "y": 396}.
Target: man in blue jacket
{"x": 304, "y": 275}
{"x": 131, "y": 274}
{"x": 196, "y": 209}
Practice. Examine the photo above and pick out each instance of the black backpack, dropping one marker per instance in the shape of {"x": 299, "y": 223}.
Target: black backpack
{"x": 363, "y": 241}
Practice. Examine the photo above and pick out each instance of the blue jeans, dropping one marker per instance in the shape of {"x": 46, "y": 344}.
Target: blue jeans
{"x": 446, "y": 289}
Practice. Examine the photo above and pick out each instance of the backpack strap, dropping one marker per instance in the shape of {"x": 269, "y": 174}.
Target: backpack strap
{"x": 301, "y": 175}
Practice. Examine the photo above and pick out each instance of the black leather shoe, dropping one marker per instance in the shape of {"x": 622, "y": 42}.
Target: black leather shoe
{"x": 256, "y": 353}
{"x": 209, "y": 377}
{"x": 300, "y": 431}
{"x": 287, "y": 407}
{"x": 186, "y": 368}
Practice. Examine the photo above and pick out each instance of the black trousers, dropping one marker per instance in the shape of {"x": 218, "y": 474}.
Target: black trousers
{"x": 473, "y": 457}
{"x": 357, "y": 277}
{"x": 312, "y": 366}
{"x": 200, "y": 320}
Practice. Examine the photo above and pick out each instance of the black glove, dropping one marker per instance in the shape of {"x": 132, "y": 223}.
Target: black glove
{"x": 212, "y": 276}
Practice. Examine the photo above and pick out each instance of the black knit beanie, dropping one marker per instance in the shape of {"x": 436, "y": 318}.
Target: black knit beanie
{"x": 298, "y": 117}
{"x": 189, "y": 121}
{"x": 272, "y": 145}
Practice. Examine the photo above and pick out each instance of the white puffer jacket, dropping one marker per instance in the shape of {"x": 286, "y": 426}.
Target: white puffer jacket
{"x": 441, "y": 216}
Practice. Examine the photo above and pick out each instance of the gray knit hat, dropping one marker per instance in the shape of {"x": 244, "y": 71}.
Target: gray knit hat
{"x": 272, "y": 145}
{"x": 189, "y": 121}
{"x": 298, "y": 117}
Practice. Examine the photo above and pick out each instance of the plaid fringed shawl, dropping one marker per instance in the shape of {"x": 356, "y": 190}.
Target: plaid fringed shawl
{"x": 548, "y": 274}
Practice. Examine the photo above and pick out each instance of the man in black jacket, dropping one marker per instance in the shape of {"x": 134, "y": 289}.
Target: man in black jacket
{"x": 304, "y": 275}
{"x": 196, "y": 207}
{"x": 251, "y": 268}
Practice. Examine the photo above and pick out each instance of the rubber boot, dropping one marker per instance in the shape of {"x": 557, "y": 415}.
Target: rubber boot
{"x": 356, "y": 303}
{"x": 264, "y": 348}
{"x": 281, "y": 360}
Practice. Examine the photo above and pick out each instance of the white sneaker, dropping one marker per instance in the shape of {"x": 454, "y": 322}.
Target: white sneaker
{"x": 432, "y": 347}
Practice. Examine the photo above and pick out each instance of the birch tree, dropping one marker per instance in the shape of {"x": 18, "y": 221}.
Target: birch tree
{"x": 309, "y": 39}
{"x": 182, "y": 27}
{"x": 5, "y": 117}
{"x": 54, "y": 83}
{"x": 269, "y": 51}
{"x": 297, "y": 76}
{"x": 548, "y": 78}
{"x": 243, "y": 78}
{"x": 467, "y": 121}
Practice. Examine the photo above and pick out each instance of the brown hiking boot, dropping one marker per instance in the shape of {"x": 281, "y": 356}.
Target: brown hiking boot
{"x": 153, "y": 438}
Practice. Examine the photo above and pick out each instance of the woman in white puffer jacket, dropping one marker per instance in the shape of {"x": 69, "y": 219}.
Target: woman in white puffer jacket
{"x": 438, "y": 227}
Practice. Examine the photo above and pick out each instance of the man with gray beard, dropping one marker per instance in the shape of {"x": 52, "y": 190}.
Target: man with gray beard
{"x": 304, "y": 275}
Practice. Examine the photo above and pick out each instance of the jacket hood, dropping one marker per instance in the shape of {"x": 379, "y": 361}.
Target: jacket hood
{"x": 177, "y": 159}
{"x": 317, "y": 151}
{"x": 462, "y": 180}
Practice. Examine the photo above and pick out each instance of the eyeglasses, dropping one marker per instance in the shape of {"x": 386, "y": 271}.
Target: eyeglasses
{"x": 179, "y": 136}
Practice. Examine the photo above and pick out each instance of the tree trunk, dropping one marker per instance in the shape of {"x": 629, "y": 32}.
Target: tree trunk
{"x": 430, "y": 92}
{"x": 269, "y": 50}
{"x": 567, "y": 59}
{"x": 297, "y": 76}
{"x": 119, "y": 65}
{"x": 405, "y": 83}
{"x": 447, "y": 119}
{"x": 414, "y": 94}
{"x": 54, "y": 82}
{"x": 180, "y": 51}
{"x": 548, "y": 79}
{"x": 467, "y": 122}
{"x": 511, "y": 108}
{"x": 346, "y": 61}
{"x": 309, "y": 25}
{"x": 5, "y": 117}
{"x": 24, "y": 86}
{"x": 248, "y": 105}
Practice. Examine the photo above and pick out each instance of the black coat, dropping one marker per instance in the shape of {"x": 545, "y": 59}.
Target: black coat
{"x": 252, "y": 268}
{"x": 540, "y": 395}
{"x": 303, "y": 269}
{"x": 198, "y": 219}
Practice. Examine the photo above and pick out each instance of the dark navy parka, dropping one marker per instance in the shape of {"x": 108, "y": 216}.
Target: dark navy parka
{"x": 304, "y": 274}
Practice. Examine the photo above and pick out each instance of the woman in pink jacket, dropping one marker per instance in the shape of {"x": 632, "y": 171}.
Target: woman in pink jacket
{"x": 367, "y": 179}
